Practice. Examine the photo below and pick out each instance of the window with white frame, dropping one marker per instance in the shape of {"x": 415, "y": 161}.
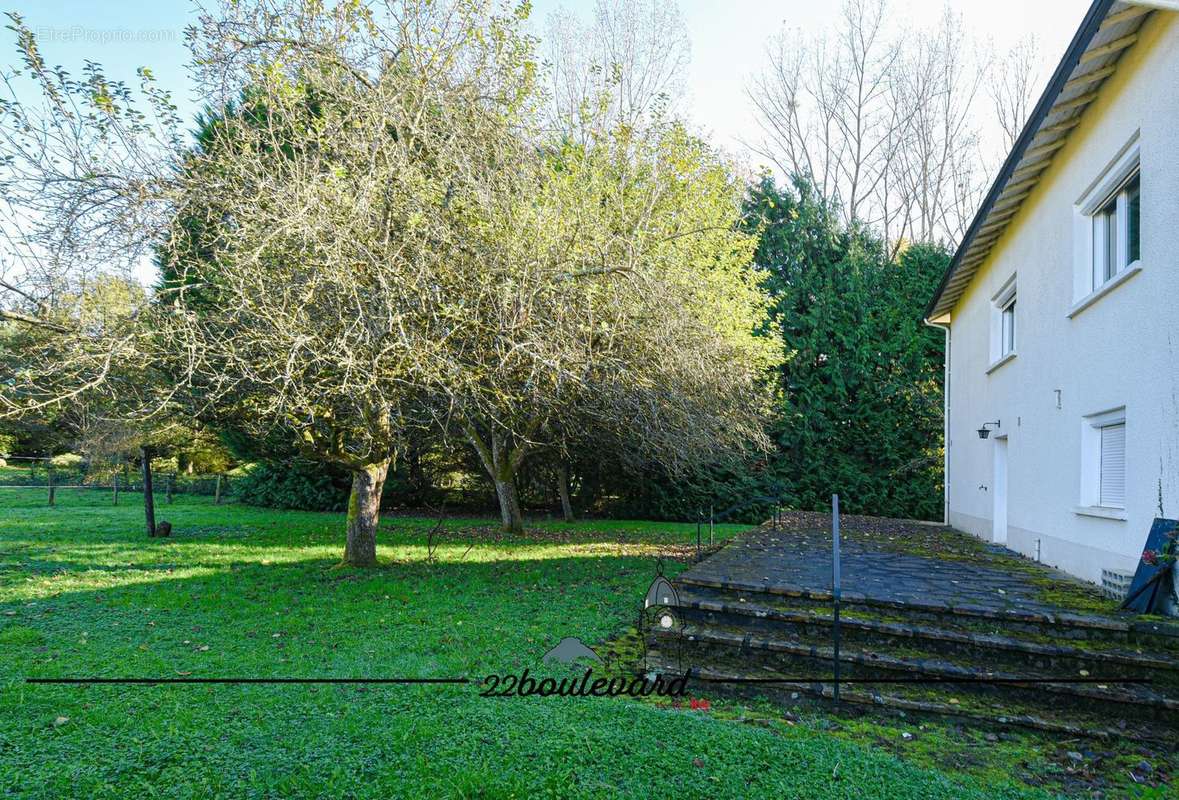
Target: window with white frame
{"x": 1003, "y": 322}
{"x": 1108, "y": 243}
{"x": 1112, "y": 490}
{"x": 1103, "y": 472}
{"x": 1007, "y": 327}
{"x": 1116, "y": 232}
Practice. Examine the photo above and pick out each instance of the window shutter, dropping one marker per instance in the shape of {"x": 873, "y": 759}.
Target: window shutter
{"x": 1113, "y": 465}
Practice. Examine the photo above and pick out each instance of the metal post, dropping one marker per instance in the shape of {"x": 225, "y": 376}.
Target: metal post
{"x": 170, "y": 487}
{"x": 711, "y": 525}
{"x": 835, "y": 589}
{"x": 217, "y": 492}
{"x": 115, "y": 489}
{"x": 49, "y": 480}
{"x": 699, "y": 518}
{"x": 149, "y": 505}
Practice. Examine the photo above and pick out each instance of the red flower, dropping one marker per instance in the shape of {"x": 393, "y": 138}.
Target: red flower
{"x": 1150, "y": 558}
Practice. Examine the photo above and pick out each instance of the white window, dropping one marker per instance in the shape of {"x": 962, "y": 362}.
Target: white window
{"x": 1003, "y": 324}
{"x": 1103, "y": 467}
{"x": 1112, "y": 492}
{"x": 1116, "y": 232}
{"x": 1108, "y": 233}
{"x": 1007, "y": 328}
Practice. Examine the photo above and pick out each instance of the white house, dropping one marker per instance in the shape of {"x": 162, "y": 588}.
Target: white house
{"x": 1061, "y": 310}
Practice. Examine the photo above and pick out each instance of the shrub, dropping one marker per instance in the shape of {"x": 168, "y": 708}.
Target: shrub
{"x": 67, "y": 461}
{"x": 301, "y": 485}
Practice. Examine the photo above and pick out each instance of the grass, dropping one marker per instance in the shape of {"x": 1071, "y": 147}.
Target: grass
{"x": 247, "y": 592}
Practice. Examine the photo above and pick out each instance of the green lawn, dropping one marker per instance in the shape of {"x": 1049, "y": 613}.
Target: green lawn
{"x": 253, "y": 593}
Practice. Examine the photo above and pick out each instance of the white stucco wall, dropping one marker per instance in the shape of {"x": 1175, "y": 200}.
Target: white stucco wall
{"x": 1123, "y": 350}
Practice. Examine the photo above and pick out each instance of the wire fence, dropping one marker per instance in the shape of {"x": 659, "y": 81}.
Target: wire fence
{"x": 25, "y": 475}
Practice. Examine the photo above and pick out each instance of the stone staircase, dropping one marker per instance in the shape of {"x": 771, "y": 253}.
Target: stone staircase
{"x": 923, "y": 655}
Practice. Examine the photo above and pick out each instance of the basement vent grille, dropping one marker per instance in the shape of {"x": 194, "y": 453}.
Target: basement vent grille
{"x": 1115, "y": 584}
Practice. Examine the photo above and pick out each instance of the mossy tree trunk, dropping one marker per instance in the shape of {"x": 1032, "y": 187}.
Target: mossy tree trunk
{"x": 364, "y": 514}
{"x": 509, "y": 503}
{"x": 502, "y": 461}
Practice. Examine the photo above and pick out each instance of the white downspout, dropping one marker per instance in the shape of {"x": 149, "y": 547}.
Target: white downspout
{"x": 945, "y": 424}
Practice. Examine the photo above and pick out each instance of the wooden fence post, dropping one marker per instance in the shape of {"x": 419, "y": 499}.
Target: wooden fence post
{"x": 149, "y": 506}
{"x": 169, "y": 487}
{"x": 49, "y": 481}
{"x": 217, "y": 492}
{"x": 115, "y": 488}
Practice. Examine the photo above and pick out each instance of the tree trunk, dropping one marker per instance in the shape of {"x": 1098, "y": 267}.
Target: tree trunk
{"x": 364, "y": 514}
{"x": 502, "y": 462}
{"x": 509, "y": 504}
{"x": 563, "y": 490}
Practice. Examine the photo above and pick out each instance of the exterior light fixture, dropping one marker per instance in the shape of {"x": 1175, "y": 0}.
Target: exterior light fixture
{"x": 984, "y": 431}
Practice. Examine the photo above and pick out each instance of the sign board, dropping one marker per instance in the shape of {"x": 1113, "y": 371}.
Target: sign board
{"x": 1149, "y": 591}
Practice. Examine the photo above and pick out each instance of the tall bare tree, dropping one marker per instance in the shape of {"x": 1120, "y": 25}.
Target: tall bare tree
{"x": 825, "y": 109}
{"x": 625, "y": 66}
{"x": 882, "y": 121}
{"x": 1013, "y": 83}
{"x": 937, "y": 165}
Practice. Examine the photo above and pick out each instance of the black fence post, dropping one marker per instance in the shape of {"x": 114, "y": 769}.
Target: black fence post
{"x": 711, "y": 525}
{"x": 835, "y": 590}
{"x": 115, "y": 489}
{"x": 149, "y": 503}
{"x": 699, "y": 520}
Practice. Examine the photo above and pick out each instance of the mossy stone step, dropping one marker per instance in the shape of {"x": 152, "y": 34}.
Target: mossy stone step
{"x": 722, "y": 678}
{"x": 712, "y": 643}
{"x": 1159, "y": 636}
{"x": 705, "y": 605}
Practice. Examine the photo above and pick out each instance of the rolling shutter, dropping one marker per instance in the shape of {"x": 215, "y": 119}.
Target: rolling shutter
{"x": 1113, "y": 465}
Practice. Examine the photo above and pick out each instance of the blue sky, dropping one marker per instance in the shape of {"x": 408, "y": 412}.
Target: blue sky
{"x": 728, "y": 40}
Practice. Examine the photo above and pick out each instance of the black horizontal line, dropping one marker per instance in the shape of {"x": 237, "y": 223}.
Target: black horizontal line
{"x": 243, "y": 680}
{"x": 813, "y": 679}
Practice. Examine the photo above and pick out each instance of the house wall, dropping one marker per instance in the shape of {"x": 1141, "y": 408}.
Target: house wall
{"x": 1123, "y": 350}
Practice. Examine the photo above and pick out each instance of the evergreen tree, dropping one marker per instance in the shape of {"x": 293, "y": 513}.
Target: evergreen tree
{"x": 860, "y": 408}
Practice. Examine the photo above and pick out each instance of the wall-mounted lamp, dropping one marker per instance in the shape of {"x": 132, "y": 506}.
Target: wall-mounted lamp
{"x": 984, "y": 431}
